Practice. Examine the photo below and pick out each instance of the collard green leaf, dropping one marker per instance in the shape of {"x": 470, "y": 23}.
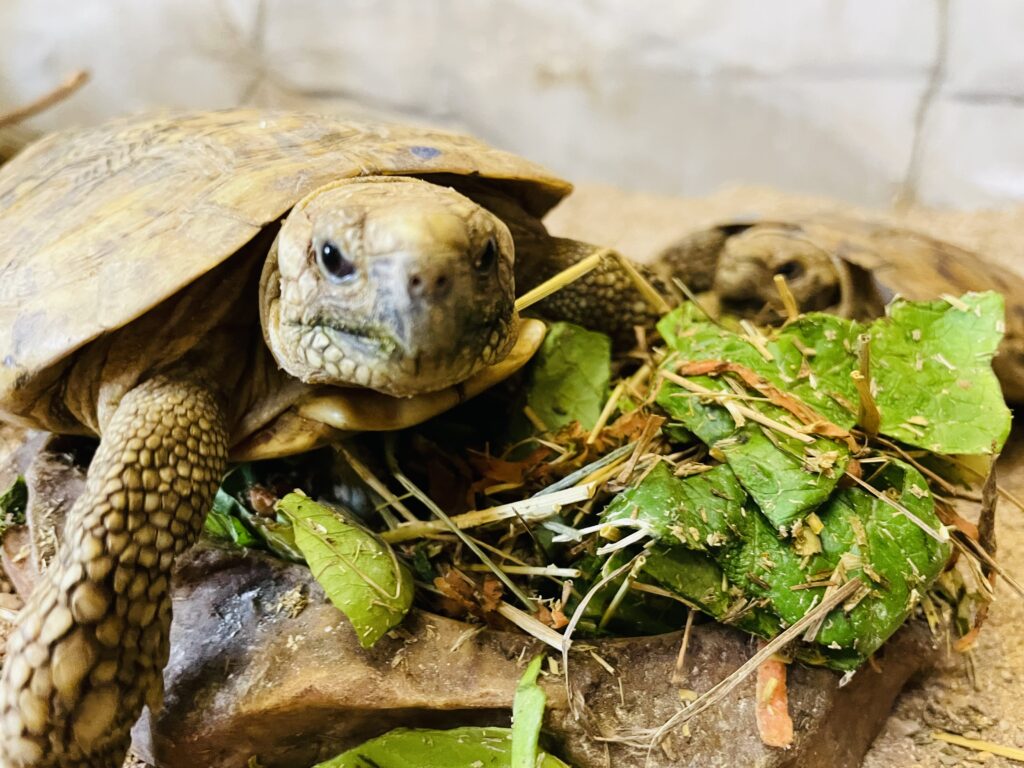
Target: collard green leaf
{"x": 456, "y": 748}
{"x": 700, "y": 512}
{"x": 785, "y": 476}
{"x": 931, "y": 370}
{"x": 569, "y": 376}
{"x": 699, "y": 580}
{"x": 895, "y": 558}
{"x": 527, "y": 716}
{"x": 360, "y": 573}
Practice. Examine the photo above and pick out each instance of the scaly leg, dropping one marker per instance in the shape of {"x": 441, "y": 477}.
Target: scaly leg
{"x": 605, "y": 299}
{"x": 91, "y": 644}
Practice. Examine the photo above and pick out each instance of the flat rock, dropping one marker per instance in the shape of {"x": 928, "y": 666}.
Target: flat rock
{"x": 262, "y": 665}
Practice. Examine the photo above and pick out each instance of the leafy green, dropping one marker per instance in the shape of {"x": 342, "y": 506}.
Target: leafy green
{"x": 874, "y": 542}
{"x": 811, "y": 356}
{"x": 722, "y": 556}
{"x": 569, "y": 376}
{"x": 641, "y": 614}
{"x": 515, "y": 747}
{"x": 231, "y": 520}
{"x": 225, "y": 521}
{"x": 699, "y": 512}
{"x": 931, "y": 370}
{"x": 785, "y": 476}
{"x": 527, "y": 715}
{"x": 13, "y": 503}
{"x": 360, "y": 573}
{"x": 699, "y": 580}
{"x": 455, "y": 748}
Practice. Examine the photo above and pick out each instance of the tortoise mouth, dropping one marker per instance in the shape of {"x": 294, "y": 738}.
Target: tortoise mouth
{"x": 375, "y": 356}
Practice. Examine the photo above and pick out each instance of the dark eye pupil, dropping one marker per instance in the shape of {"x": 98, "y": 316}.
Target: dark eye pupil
{"x": 487, "y": 256}
{"x": 334, "y": 262}
{"x": 791, "y": 269}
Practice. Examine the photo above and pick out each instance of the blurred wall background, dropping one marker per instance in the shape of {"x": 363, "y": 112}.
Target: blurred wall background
{"x": 871, "y": 101}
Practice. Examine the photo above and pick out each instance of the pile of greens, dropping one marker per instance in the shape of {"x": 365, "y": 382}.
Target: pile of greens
{"x": 739, "y": 471}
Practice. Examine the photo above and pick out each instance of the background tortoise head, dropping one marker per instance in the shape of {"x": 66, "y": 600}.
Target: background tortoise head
{"x": 391, "y": 283}
{"x": 847, "y": 265}
{"x": 749, "y": 261}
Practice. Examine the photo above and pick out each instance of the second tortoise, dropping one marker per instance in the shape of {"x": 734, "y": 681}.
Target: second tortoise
{"x": 843, "y": 265}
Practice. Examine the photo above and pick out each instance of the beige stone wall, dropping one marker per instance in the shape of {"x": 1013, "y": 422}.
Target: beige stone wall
{"x": 862, "y": 100}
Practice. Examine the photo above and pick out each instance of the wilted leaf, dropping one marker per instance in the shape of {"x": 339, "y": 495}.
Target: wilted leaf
{"x": 457, "y": 748}
{"x": 931, "y": 366}
{"x": 360, "y": 573}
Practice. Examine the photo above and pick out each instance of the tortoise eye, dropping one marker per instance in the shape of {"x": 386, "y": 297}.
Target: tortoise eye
{"x": 792, "y": 269}
{"x": 487, "y": 257}
{"x": 333, "y": 262}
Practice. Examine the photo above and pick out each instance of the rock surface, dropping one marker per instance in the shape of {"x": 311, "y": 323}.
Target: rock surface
{"x": 261, "y": 664}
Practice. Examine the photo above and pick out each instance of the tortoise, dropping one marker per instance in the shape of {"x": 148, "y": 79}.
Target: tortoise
{"x": 849, "y": 266}
{"x": 199, "y": 287}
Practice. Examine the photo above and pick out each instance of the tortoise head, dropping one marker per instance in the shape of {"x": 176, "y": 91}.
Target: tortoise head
{"x": 749, "y": 261}
{"x": 391, "y": 283}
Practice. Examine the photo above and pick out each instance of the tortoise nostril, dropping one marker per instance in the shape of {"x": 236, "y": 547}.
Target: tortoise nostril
{"x": 428, "y": 286}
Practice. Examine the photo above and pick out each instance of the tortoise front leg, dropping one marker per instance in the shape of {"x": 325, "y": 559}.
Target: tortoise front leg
{"x": 91, "y": 644}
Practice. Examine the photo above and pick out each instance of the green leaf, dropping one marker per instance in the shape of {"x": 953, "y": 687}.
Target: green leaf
{"x": 815, "y": 355}
{"x": 931, "y": 369}
{"x": 699, "y": 580}
{"x": 812, "y": 356}
{"x": 224, "y": 521}
{"x": 279, "y": 537}
{"x": 700, "y": 512}
{"x": 894, "y": 557}
{"x": 641, "y": 614}
{"x": 569, "y": 376}
{"x": 455, "y": 748}
{"x": 360, "y": 573}
{"x": 527, "y": 715}
{"x": 786, "y": 477}
{"x": 13, "y": 503}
